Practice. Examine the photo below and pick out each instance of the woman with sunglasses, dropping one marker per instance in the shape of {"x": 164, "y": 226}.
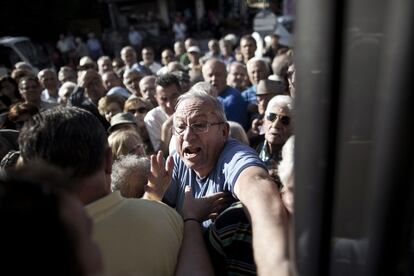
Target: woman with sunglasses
{"x": 278, "y": 127}
{"x": 139, "y": 107}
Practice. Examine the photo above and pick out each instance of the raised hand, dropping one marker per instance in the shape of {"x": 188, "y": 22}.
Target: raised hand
{"x": 160, "y": 176}
{"x": 204, "y": 208}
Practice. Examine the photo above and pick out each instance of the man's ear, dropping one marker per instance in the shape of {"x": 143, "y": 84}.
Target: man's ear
{"x": 226, "y": 130}
{"x": 108, "y": 160}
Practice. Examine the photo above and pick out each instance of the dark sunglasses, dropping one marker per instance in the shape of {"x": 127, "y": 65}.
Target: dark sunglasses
{"x": 139, "y": 110}
{"x": 285, "y": 120}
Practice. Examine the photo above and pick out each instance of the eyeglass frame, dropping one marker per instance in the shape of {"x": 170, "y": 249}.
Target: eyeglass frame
{"x": 191, "y": 126}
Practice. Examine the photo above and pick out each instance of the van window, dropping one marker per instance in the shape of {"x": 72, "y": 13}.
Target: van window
{"x": 27, "y": 50}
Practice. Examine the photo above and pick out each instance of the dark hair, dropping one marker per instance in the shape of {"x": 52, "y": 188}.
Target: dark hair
{"x": 32, "y": 222}
{"x": 168, "y": 79}
{"x": 248, "y": 37}
{"x": 9, "y": 79}
{"x": 68, "y": 137}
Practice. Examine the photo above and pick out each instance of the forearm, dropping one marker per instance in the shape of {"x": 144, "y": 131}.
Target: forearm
{"x": 193, "y": 258}
{"x": 260, "y": 196}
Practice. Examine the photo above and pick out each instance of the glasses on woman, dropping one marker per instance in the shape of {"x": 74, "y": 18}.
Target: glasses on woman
{"x": 140, "y": 110}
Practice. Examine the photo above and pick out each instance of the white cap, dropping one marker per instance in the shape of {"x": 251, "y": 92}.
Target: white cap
{"x": 193, "y": 49}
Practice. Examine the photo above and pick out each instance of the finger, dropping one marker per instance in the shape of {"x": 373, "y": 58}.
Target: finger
{"x": 161, "y": 162}
{"x": 187, "y": 192}
{"x": 169, "y": 166}
{"x": 213, "y": 216}
{"x": 215, "y": 196}
{"x": 154, "y": 166}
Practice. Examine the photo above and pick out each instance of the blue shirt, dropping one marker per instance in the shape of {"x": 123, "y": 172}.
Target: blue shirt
{"x": 234, "y": 158}
{"x": 249, "y": 95}
{"x": 234, "y": 106}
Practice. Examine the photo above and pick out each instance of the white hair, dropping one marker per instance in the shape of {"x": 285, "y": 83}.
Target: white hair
{"x": 127, "y": 165}
{"x": 237, "y": 132}
{"x": 254, "y": 60}
{"x": 280, "y": 101}
{"x": 206, "y": 98}
{"x": 66, "y": 86}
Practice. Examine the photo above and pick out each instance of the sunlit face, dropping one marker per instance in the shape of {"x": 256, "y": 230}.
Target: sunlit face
{"x": 262, "y": 101}
{"x": 247, "y": 48}
{"x": 257, "y": 71}
{"x": 147, "y": 88}
{"x": 167, "y": 56}
{"x": 278, "y": 127}
{"x": 112, "y": 109}
{"x": 30, "y": 91}
{"x": 135, "y": 146}
{"x": 167, "y": 97}
{"x": 110, "y": 80}
{"x": 129, "y": 57}
{"x": 199, "y": 151}
{"x": 95, "y": 89}
{"x": 139, "y": 110}
{"x": 225, "y": 48}
{"x": 237, "y": 76}
{"x": 147, "y": 56}
{"x": 105, "y": 65}
{"x": 215, "y": 73}
{"x": 49, "y": 80}
{"x": 131, "y": 81}
{"x": 80, "y": 226}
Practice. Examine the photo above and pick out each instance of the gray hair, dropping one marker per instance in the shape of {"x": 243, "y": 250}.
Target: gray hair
{"x": 204, "y": 97}
{"x": 205, "y": 87}
{"x": 237, "y": 132}
{"x": 280, "y": 101}
{"x": 286, "y": 165}
{"x": 127, "y": 165}
{"x": 254, "y": 60}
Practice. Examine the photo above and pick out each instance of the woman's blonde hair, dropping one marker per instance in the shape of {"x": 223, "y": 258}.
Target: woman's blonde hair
{"x": 122, "y": 142}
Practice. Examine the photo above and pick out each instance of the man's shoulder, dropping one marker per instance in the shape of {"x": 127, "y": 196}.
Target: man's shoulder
{"x": 154, "y": 114}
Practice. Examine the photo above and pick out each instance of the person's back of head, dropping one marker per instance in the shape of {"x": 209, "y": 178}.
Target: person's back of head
{"x": 70, "y": 138}
{"x": 43, "y": 223}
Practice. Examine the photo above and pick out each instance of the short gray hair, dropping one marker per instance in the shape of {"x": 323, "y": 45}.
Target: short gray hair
{"x": 204, "y": 97}
{"x": 205, "y": 87}
{"x": 127, "y": 165}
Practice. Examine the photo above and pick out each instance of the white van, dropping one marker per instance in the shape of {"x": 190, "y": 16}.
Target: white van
{"x": 15, "y": 49}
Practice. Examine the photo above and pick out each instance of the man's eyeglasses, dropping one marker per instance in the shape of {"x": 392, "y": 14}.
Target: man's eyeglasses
{"x": 285, "y": 120}
{"x": 197, "y": 128}
{"x": 140, "y": 110}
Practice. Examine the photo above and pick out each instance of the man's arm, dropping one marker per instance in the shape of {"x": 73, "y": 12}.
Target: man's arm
{"x": 260, "y": 196}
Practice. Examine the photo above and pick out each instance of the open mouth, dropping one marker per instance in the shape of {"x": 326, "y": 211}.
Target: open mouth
{"x": 191, "y": 152}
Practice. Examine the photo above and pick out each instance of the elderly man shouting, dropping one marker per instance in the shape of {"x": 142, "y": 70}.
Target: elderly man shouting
{"x": 209, "y": 161}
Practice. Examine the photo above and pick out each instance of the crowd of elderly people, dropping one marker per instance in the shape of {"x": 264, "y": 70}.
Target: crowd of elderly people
{"x": 183, "y": 166}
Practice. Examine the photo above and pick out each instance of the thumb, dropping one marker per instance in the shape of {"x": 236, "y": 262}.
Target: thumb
{"x": 187, "y": 193}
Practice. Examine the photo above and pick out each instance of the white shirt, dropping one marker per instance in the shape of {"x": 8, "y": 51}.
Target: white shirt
{"x": 153, "y": 121}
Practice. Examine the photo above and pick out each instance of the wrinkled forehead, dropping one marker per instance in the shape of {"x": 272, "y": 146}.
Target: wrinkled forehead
{"x": 279, "y": 109}
{"x": 192, "y": 109}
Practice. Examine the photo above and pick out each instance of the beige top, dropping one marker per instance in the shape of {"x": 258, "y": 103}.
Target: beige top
{"x": 136, "y": 236}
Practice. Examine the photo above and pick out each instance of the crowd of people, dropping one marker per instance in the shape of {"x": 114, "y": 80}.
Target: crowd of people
{"x": 183, "y": 167}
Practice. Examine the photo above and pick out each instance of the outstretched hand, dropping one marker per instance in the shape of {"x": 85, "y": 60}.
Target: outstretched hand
{"x": 204, "y": 208}
{"x": 160, "y": 176}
